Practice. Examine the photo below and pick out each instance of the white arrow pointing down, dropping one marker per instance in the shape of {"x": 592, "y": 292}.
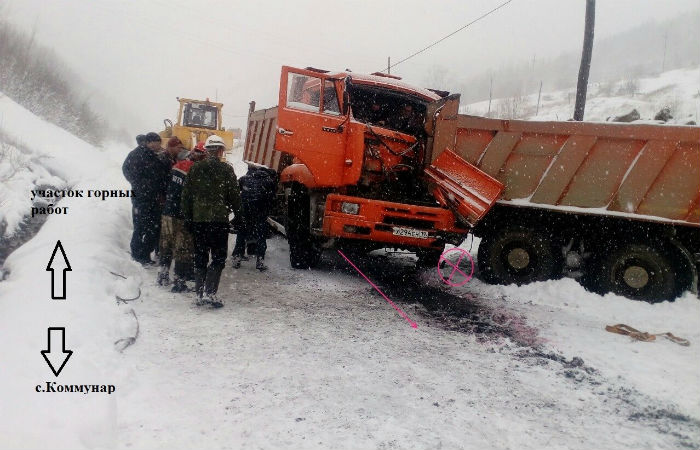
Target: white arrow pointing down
{"x": 56, "y": 356}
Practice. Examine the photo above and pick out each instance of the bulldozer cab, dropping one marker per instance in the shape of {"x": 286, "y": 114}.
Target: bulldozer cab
{"x": 199, "y": 114}
{"x": 196, "y": 121}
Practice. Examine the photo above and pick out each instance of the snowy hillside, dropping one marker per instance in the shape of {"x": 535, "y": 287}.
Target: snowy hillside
{"x": 678, "y": 90}
{"x": 94, "y": 234}
{"x": 314, "y": 359}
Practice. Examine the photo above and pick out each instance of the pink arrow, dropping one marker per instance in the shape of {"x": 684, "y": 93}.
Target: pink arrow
{"x": 403, "y": 314}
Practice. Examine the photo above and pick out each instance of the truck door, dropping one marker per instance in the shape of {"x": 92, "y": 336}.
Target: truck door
{"x": 310, "y": 123}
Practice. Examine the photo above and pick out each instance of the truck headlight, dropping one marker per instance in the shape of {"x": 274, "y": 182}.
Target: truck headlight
{"x": 349, "y": 208}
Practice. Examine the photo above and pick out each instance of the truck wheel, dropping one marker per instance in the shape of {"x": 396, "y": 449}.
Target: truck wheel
{"x": 517, "y": 255}
{"x": 639, "y": 272}
{"x": 303, "y": 251}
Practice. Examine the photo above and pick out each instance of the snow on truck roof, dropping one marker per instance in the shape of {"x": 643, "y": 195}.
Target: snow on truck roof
{"x": 388, "y": 82}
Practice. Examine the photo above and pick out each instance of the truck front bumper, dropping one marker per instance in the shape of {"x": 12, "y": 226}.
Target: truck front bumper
{"x": 395, "y": 224}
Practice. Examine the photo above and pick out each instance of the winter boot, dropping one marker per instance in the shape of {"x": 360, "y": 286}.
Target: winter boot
{"x": 188, "y": 271}
{"x": 212, "y": 300}
{"x": 260, "y": 264}
{"x": 211, "y": 285}
{"x": 163, "y": 276}
{"x": 236, "y": 262}
{"x": 184, "y": 270}
{"x": 199, "y": 276}
{"x": 179, "y": 285}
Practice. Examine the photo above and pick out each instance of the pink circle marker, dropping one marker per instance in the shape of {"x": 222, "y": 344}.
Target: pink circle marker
{"x": 456, "y": 276}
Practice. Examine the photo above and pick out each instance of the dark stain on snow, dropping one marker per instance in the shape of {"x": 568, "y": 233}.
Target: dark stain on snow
{"x": 403, "y": 284}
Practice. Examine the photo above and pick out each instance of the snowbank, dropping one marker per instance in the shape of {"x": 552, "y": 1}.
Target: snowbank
{"x": 20, "y": 173}
{"x": 38, "y": 154}
{"x": 94, "y": 235}
{"x": 676, "y": 89}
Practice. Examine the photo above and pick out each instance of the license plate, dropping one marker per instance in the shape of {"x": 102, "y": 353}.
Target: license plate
{"x": 410, "y": 232}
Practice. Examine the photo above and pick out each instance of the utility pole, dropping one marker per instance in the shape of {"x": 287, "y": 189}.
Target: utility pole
{"x": 663, "y": 61}
{"x": 585, "y": 68}
{"x": 538, "y": 99}
{"x": 388, "y": 65}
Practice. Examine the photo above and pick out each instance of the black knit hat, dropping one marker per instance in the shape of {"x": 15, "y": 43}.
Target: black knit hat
{"x": 152, "y": 137}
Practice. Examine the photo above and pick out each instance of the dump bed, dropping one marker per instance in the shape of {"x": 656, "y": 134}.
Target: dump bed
{"x": 260, "y": 139}
{"x": 648, "y": 172}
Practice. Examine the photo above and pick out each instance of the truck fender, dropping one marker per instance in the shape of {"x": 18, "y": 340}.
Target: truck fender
{"x": 298, "y": 173}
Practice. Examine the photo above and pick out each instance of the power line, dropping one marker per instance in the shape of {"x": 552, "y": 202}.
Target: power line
{"x": 449, "y": 35}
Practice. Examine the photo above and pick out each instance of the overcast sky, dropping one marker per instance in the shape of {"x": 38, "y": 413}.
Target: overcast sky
{"x": 142, "y": 54}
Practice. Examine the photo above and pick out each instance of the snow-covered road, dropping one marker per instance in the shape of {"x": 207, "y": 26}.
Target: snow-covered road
{"x": 317, "y": 359}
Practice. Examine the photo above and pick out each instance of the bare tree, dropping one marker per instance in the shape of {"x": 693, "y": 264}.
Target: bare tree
{"x": 11, "y": 158}
{"x": 511, "y": 107}
{"x": 585, "y": 68}
{"x": 35, "y": 77}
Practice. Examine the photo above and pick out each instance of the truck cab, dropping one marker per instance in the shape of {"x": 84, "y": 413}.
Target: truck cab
{"x": 351, "y": 151}
{"x": 349, "y": 128}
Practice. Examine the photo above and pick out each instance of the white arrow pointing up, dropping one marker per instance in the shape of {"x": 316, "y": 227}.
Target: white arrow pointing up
{"x": 60, "y": 263}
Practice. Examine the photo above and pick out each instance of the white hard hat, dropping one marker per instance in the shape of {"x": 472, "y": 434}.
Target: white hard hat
{"x": 214, "y": 141}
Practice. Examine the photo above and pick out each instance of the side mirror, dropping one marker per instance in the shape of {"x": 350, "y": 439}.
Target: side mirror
{"x": 346, "y": 95}
{"x": 346, "y": 103}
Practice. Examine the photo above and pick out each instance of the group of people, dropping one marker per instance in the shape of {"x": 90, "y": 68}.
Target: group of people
{"x": 181, "y": 204}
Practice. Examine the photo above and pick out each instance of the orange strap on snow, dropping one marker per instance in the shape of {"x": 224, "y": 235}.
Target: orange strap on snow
{"x": 627, "y": 330}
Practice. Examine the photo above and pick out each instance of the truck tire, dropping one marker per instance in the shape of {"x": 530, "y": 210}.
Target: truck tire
{"x": 517, "y": 255}
{"x": 638, "y": 271}
{"x": 303, "y": 250}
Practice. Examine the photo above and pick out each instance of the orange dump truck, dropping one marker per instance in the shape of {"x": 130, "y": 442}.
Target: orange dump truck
{"x": 367, "y": 161}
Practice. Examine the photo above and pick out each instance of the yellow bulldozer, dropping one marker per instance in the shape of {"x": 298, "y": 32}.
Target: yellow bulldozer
{"x": 196, "y": 121}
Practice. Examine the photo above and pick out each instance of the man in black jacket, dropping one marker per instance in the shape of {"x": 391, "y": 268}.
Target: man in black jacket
{"x": 258, "y": 188}
{"x": 148, "y": 177}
